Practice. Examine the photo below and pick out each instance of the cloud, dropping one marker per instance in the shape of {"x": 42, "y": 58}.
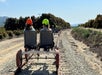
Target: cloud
{"x": 2, "y": 1}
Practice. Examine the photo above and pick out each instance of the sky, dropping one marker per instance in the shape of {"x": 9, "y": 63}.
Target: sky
{"x": 72, "y": 11}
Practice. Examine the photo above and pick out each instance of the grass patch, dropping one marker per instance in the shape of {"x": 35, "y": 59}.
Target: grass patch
{"x": 80, "y": 33}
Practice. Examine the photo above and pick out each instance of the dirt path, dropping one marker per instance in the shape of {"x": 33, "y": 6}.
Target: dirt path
{"x": 76, "y": 59}
{"x": 8, "y": 50}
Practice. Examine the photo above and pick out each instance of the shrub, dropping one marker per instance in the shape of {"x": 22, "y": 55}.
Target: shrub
{"x": 90, "y": 37}
{"x": 10, "y": 34}
{"x": 4, "y": 34}
{"x": 1, "y": 36}
{"x": 18, "y": 32}
{"x": 80, "y": 33}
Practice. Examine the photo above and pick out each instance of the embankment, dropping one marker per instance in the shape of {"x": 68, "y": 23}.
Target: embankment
{"x": 91, "y": 38}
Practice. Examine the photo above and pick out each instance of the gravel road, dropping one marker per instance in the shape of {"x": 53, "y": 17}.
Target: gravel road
{"x": 75, "y": 58}
{"x": 75, "y": 61}
{"x": 8, "y": 50}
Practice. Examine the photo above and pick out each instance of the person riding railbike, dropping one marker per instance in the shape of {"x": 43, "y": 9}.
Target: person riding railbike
{"x": 29, "y": 24}
{"x": 30, "y": 35}
{"x": 46, "y": 36}
{"x": 46, "y": 25}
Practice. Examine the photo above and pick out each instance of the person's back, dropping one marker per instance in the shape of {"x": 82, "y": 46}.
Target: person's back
{"x": 30, "y": 35}
{"x": 46, "y": 35}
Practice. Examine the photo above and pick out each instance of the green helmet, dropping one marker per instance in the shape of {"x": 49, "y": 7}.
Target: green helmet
{"x": 45, "y": 22}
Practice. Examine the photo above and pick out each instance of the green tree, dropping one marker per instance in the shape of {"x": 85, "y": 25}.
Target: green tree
{"x": 10, "y": 24}
{"x": 21, "y": 24}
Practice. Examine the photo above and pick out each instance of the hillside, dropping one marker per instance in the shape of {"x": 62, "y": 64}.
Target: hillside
{"x": 91, "y": 37}
{"x": 2, "y": 20}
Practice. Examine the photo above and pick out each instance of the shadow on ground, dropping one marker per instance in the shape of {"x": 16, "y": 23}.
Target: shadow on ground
{"x": 43, "y": 70}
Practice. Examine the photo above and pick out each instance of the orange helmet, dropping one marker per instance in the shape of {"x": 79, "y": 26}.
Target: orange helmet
{"x": 29, "y": 21}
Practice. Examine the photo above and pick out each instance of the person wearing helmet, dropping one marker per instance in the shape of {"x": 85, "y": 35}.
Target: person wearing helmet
{"x": 29, "y": 24}
{"x": 46, "y": 35}
{"x": 30, "y": 35}
{"x": 46, "y": 25}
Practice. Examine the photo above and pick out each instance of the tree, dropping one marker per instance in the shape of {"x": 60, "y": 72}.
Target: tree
{"x": 21, "y": 24}
{"x": 34, "y": 21}
{"x": 96, "y": 23}
{"x": 10, "y": 24}
{"x": 14, "y": 24}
